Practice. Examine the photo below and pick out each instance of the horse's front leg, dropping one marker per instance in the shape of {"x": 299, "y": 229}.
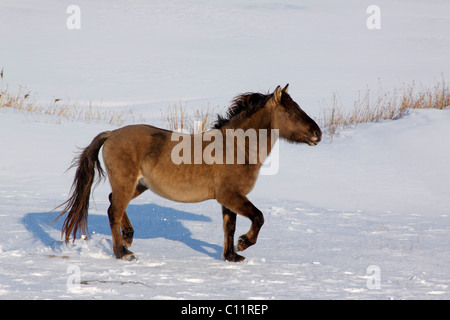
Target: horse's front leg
{"x": 241, "y": 205}
{"x": 229, "y": 227}
{"x": 248, "y": 239}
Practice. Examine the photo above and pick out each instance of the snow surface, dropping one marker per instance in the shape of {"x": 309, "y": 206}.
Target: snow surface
{"x": 377, "y": 196}
{"x": 369, "y": 198}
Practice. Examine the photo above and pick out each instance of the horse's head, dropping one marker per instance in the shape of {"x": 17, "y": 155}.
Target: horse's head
{"x": 292, "y": 122}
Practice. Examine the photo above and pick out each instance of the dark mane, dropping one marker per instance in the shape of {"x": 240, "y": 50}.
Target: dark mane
{"x": 243, "y": 105}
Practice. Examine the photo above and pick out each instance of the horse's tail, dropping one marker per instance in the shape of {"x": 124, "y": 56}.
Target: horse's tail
{"x": 78, "y": 204}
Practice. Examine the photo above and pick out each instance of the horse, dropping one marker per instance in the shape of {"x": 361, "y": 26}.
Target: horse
{"x": 143, "y": 157}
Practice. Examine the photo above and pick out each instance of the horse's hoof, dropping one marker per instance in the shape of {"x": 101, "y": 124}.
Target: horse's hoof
{"x": 234, "y": 257}
{"x": 243, "y": 243}
{"x": 125, "y": 254}
{"x": 129, "y": 257}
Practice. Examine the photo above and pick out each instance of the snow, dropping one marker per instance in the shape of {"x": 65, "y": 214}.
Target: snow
{"x": 150, "y": 54}
{"x": 384, "y": 166}
{"x": 363, "y": 217}
{"x": 324, "y": 227}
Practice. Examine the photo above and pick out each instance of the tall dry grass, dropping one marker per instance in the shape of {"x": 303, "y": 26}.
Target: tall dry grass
{"x": 368, "y": 107}
{"x": 177, "y": 118}
{"x": 378, "y": 106}
{"x": 22, "y": 100}
{"x": 60, "y": 110}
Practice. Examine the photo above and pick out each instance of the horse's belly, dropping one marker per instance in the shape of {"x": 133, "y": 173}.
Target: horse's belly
{"x": 181, "y": 191}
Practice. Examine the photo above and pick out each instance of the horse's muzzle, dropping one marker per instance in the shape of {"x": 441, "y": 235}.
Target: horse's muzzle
{"x": 315, "y": 139}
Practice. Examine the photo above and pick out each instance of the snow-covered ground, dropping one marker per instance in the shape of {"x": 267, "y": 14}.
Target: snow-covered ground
{"x": 366, "y": 216}
{"x": 377, "y": 196}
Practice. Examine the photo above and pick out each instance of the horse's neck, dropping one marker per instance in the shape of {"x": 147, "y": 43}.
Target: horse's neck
{"x": 261, "y": 125}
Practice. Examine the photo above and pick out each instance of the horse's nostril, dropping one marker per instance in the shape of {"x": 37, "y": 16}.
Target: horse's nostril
{"x": 318, "y": 134}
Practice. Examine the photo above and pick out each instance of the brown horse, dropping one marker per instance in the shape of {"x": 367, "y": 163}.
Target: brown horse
{"x": 189, "y": 168}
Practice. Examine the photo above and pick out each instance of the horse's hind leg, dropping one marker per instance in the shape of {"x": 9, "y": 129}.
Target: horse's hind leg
{"x": 116, "y": 211}
{"x": 127, "y": 228}
{"x": 229, "y": 227}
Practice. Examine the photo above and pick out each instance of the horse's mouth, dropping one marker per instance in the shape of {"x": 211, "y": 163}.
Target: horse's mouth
{"x": 314, "y": 138}
{"x": 313, "y": 141}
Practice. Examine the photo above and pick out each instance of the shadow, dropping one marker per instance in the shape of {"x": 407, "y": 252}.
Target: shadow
{"x": 149, "y": 221}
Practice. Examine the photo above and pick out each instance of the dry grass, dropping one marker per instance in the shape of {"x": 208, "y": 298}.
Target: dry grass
{"x": 15, "y": 101}
{"x": 203, "y": 119}
{"x": 60, "y": 110}
{"x": 373, "y": 107}
{"x": 177, "y": 118}
{"x": 369, "y": 107}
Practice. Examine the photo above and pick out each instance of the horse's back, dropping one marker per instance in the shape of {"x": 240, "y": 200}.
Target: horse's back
{"x": 131, "y": 144}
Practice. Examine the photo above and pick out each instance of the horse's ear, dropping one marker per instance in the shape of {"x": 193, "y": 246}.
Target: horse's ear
{"x": 277, "y": 95}
{"x": 285, "y": 89}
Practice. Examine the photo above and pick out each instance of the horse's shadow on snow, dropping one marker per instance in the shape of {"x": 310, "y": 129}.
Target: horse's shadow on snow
{"x": 149, "y": 221}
